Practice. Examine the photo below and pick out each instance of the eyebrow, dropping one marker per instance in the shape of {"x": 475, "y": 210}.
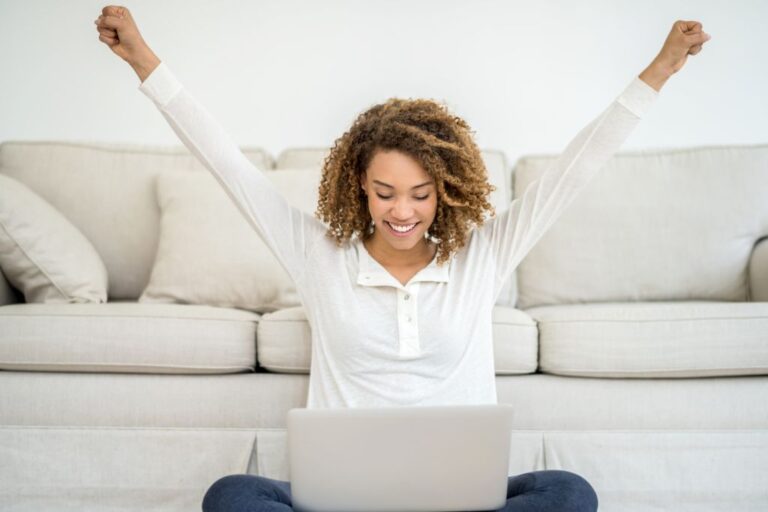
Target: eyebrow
{"x": 390, "y": 186}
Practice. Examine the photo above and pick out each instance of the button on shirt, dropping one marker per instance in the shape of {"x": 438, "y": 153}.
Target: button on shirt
{"x": 375, "y": 341}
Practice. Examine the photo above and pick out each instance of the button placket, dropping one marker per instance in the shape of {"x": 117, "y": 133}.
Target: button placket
{"x": 407, "y": 320}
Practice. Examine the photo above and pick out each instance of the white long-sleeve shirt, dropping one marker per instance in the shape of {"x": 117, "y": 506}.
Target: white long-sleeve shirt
{"x": 375, "y": 341}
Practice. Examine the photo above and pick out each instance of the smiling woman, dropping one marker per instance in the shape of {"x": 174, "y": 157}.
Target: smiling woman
{"x": 404, "y": 186}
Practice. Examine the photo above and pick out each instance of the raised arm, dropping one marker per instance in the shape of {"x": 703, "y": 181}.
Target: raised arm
{"x": 288, "y": 232}
{"x": 514, "y": 232}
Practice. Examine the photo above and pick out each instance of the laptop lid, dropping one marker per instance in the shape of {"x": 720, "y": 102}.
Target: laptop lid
{"x": 392, "y": 459}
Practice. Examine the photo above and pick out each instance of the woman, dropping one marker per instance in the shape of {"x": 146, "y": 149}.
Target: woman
{"x": 399, "y": 273}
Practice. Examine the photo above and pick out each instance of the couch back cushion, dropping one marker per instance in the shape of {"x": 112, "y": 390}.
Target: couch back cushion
{"x": 660, "y": 225}
{"x": 108, "y": 192}
{"x": 209, "y": 254}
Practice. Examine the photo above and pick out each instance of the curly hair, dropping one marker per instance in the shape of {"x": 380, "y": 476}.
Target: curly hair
{"x": 427, "y": 132}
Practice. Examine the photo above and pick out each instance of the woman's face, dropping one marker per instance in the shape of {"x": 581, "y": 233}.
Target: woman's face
{"x": 402, "y": 199}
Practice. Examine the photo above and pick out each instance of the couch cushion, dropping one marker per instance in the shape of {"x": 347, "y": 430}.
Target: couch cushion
{"x": 653, "y": 225}
{"x": 498, "y": 176}
{"x": 262, "y": 400}
{"x": 758, "y": 272}
{"x": 119, "y": 181}
{"x": 43, "y": 254}
{"x": 8, "y": 294}
{"x": 672, "y": 339}
{"x": 284, "y": 341}
{"x": 126, "y": 337}
{"x": 208, "y": 252}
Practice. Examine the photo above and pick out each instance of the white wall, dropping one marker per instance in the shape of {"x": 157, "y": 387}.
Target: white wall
{"x": 526, "y": 75}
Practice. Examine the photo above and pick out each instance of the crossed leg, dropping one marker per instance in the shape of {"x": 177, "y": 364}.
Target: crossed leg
{"x": 537, "y": 491}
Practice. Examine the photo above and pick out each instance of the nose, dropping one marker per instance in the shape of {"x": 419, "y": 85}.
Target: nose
{"x": 402, "y": 210}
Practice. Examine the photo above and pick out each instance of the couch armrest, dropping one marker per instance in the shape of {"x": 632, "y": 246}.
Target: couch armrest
{"x": 758, "y": 272}
{"x": 7, "y": 293}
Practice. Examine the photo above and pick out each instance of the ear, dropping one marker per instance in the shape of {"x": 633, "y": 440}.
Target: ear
{"x": 363, "y": 182}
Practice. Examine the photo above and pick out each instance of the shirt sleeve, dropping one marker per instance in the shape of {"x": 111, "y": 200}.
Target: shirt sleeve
{"x": 287, "y": 231}
{"x": 515, "y": 231}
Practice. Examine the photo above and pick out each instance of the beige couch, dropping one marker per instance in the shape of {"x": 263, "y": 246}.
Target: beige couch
{"x": 634, "y": 345}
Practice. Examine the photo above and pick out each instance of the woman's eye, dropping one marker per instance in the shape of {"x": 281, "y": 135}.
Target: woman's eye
{"x": 418, "y": 198}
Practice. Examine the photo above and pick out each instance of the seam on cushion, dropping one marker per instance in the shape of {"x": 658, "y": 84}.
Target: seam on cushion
{"x": 656, "y": 151}
{"x": 605, "y": 320}
{"x": 141, "y": 365}
{"x": 40, "y": 268}
{"x": 117, "y": 149}
{"x": 648, "y": 431}
{"x": 99, "y": 427}
{"x": 685, "y": 369}
{"x": 284, "y": 429}
{"x": 294, "y": 369}
{"x": 666, "y": 151}
{"x": 92, "y": 316}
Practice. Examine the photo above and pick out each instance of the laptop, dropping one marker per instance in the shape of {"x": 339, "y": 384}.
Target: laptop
{"x": 397, "y": 459}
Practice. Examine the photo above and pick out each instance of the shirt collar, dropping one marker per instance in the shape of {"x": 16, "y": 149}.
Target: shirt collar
{"x": 372, "y": 273}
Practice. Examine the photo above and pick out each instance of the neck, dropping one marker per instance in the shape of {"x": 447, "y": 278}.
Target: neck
{"x": 389, "y": 256}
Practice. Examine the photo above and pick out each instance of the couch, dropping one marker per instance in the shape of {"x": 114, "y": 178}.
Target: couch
{"x": 632, "y": 341}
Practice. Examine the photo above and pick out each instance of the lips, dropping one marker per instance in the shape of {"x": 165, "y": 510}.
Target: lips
{"x": 400, "y": 233}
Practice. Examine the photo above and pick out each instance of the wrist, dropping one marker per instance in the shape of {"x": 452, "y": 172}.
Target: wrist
{"x": 656, "y": 74}
{"x": 144, "y": 63}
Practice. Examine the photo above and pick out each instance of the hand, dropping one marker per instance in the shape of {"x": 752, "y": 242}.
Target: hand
{"x": 118, "y": 30}
{"x": 686, "y": 38}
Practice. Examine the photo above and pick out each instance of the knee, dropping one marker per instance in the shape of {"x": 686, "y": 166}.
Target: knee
{"x": 219, "y": 496}
{"x": 577, "y": 494}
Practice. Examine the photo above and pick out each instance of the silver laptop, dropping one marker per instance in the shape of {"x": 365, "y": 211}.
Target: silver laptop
{"x": 393, "y": 459}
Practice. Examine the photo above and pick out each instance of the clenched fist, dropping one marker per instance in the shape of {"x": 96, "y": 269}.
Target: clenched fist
{"x": 118, "y": 30}
{"x": 686, "y": 38}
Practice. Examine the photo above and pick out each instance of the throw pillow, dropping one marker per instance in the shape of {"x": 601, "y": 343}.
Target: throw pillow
{"x": 42, "y": 254}
{"x": 209, "y": 254}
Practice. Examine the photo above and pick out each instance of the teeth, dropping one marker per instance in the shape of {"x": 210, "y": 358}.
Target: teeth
{"x": 401, "y": 229}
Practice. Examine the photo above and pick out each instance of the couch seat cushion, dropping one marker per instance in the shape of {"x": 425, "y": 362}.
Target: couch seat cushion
{"x": 127, "y": 337}
{"x": 658, "y": 339}
{"x": 284, "y": 339}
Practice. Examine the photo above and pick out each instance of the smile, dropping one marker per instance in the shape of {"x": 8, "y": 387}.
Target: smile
{"x": 399, "y": 230}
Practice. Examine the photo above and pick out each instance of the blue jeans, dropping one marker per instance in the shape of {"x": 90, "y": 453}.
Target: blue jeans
{"x": 538, "y": 491}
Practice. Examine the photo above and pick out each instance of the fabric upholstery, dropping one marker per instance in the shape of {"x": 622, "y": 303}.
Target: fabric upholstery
{"x": 209, "y": 254}
{"x": 126, "y": 337}
{"x": 689, "y": 219}
{"x": 758, "y": 272}
{"x": 652, "y": 339}
{"x": 8, "y": 294}
{"x": 42, "y": 254}
{"x": 632, "y": 471}
{"x": 120, "y": 184}
{"x": 284, "y": 339}
{"x": 116, "y": 469}
{"x": 248, "y": 400}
